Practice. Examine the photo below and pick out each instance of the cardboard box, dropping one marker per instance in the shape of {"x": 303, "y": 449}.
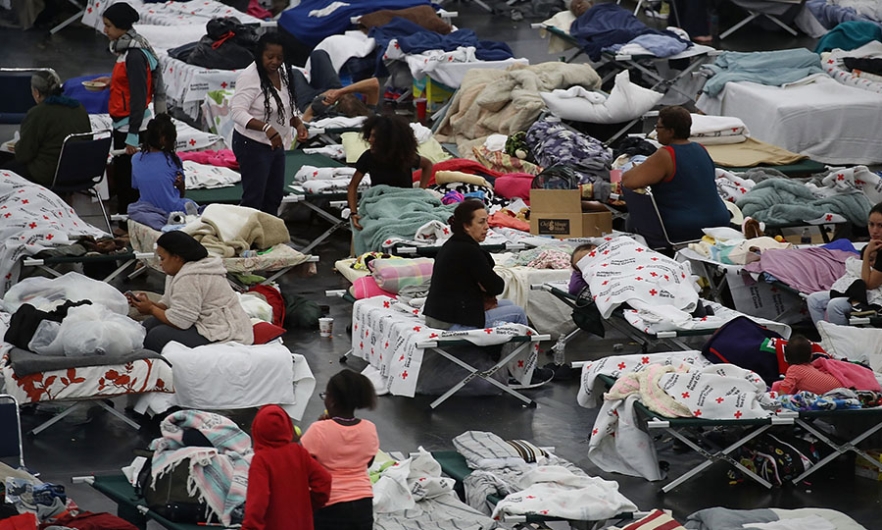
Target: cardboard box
{"x": 558, "y": 213}
{"x": 862, "y": 468}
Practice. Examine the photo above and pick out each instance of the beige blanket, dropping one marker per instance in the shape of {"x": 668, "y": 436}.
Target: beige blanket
{"x": 506, "y": 101}
{"x": 750, "y": 153}
{"x": 227, "y": 230}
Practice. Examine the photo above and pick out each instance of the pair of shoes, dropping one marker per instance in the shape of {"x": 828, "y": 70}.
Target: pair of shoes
{"x": 540, "y": 377}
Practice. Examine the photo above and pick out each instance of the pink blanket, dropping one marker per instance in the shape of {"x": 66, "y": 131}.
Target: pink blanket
{"x": 807, "y": 270}
{"x": 221, "y": 158}
{"x": 849, "y": 374}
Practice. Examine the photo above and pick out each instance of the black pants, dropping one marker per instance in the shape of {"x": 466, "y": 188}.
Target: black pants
{"x": 122, "y": 173}
{"x": 322, "y": 77}
{"x": 352, "y": 515}
{"x": 159, "y": 334}
{"x": 263, "y": 174}
{"x": 694, "y": 17}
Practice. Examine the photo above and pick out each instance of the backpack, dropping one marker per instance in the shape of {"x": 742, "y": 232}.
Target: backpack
{"x": 776, "y": 458}
{"x": 557, "y": 177}
{"x": 738, "y": 342}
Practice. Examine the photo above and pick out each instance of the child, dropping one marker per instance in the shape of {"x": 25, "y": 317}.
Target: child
{"x": 285, "y": 484}
{"x": 577, "y": 282}
{"x": 390, "y": 160}
{"x": 346, "y": 446}
{"x": 157, "y": 172}
{"x": 801, "y": 374}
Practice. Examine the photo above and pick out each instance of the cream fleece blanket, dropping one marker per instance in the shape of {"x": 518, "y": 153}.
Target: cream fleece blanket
{"x": 506, "y": 101}
{"x": 226, "y": 230}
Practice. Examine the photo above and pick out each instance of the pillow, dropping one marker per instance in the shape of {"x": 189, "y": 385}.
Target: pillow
{"x": 393, "y": 275}
{"x": 366, "y": 287}
{"x": 265, "y": 332}
{"x": 723, "y": 233}
{"x": 855, "y": 344}
{"x": 626, "y": 102}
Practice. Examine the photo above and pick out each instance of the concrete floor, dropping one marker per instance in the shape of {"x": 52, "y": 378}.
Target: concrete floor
{"x": 82, "y": 446}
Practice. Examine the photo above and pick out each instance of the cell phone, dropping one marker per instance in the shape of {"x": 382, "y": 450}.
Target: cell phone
{"x": 129, "y": 294}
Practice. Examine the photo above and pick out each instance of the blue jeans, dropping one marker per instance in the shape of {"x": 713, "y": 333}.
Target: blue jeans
{"x": 322, "y": 77}
{"x": 505, "y": 313}
{"x": 833, "y": 310}
{"x": 263, "y": 174}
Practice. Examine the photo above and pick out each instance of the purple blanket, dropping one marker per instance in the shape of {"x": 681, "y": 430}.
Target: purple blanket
{"x": 807, "y": 270}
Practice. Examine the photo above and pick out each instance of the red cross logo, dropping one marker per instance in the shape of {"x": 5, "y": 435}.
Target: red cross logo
{"x": 356, "y": 327}
{"x": 829, "y": 61}
{"x": 89, "y": 10}
{"x": 404, "y": 375}
{"x": 654, "y": 259}
{"x": 520, "y": 364}
{"x": 386, "y": 304}
{"x": 224, "y": 84}
{"x": 604, "y": 264}
{"x": 401, "y": 358}
{"x": 446, "y": 230}
{"x": 387, "y": 344}
{"x": 638, "y": 249}
{"x": 683, "y": 274}
{"x": 530, "y": 497}
{"x": 703, "y": 319}
{"x": 396, "y": 45}
{"x": 544, "y": 512}
{"x": 720, "y": 400}
{"x": 192, "y": 142}
{"x": 7, "y": 215}
{"x": 592, "y": 254}
{"x": 367, "y": 332}
{"x": 639, "y": 278}
{"x": 685, "y": 395}
{"x": 46, "y": 217}
{"x": 644, "y": 360}
{"x": 529, "y": 333}
{"x": 605, "y": 282}
{"x": 829, "y": 217}
{"x": 33, "y": 225}
{"x": 594, "y": 432}
{"x": 653, "y": 292}
{"x": 639, "y": 267}
{"x": 9, "y": 276}
{"x": 49, "y": 237}
{"x": 433, "y": 335}
{"x": 605, "y": 252}
{"x": 738, "y": 414}
{"x": 666, "y": 277}
{"x": 742, "y": 190}
{"x": 840, "y": 176}
{"x": 621, "y": 366}
{"x": 653, "y": 274}
{"x": 488, "y": 331}
{"x": 417, "y": 328}
{"x": 697, "y": 413}
{"x": 361, "y": 345}
{"x": 416, "y": 311}
{"x": 27, "y": 201}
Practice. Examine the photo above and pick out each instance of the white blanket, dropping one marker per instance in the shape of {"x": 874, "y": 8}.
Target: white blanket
{"x": 32, "y": 219}
{"x": 555, "y": 491}
{"x": 167, "y": 14}
{"x": 201, "y": 176}
{"x": 189, "y": 138}
{"x": 731, "y": 187}
{"x": 231, "y": 376}
{"x": 307, "y": 173}
{"x": 623, "y": 271}
{"x": 448, "y": 68}
{"x": 654, "y": 320}
{"x": 385, "y": 333}
{"x": 341, "y": 48}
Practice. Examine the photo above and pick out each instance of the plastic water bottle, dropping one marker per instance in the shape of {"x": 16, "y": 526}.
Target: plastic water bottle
{"x": 249, "y": 253}
{"x": 806, "y": 238}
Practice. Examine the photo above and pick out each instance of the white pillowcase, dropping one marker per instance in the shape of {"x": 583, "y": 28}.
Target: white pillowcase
{"x": 626, "y": 102}
{"x": 855, "y": 344}
{"x": 723, "y": 233}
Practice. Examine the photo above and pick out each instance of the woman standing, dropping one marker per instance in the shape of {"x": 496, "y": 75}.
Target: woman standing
{"x": 44, "y": 129}
{"x": 136, "y": 80}
{"x": 264, "y": 110}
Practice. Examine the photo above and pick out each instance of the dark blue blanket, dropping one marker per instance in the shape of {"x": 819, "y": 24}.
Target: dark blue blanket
{"x": 606, "y": 24}
{"x": 413, "y": 38}
{"x": 311, "y": 30}
{"x": 94, "y": 102}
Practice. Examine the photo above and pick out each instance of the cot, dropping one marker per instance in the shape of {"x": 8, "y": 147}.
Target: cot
{"x": 392, "y": 337}
{"x": 768, "y": 10}
{"x": 169, "y": 13}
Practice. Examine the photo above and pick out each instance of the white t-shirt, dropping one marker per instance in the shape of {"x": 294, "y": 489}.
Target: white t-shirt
{"x": 248, "y": 104}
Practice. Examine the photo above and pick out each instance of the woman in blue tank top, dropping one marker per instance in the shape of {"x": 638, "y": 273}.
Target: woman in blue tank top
{"x": 681, "y": 174}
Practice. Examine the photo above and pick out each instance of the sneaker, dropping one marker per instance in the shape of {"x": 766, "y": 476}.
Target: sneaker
{"x": 540, "y": 377}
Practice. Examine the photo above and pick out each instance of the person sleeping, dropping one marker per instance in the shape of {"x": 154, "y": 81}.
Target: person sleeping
{"x": 199, "y": 307}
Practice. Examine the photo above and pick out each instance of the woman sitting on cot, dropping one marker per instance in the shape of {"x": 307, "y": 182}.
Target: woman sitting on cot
{"x": 199, "y": 307}
{"x": 464, "y": 286}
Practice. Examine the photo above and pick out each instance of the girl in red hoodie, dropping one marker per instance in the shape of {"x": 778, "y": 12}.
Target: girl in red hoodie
{"x": 285, "y": 484}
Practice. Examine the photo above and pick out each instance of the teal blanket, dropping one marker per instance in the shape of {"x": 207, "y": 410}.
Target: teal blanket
{"x": 395, "y": 212}
{"x": 849, "y": 36}
{"x": 768, "y": 68}
{"x": 785, "y": 201}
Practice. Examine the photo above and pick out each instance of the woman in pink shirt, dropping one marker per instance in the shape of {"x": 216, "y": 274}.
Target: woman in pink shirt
{"x": 346, "y": 446}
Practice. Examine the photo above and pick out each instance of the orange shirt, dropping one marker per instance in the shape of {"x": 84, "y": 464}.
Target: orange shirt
{"x": 807, "y": 377}
{"x": 345, "y": 451}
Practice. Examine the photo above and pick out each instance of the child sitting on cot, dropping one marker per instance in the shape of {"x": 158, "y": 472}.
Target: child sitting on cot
{"x": 822, "y": 374}
{"x": 346, "y": 445}
{"x": 285, "y": 484}
{"x": 577, "y": 282}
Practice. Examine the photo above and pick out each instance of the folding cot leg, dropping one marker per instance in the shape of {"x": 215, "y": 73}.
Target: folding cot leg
{"x": 711, "y": 458}
{"x": 128, "y": 421}
{"x": 483, "y": 374}
{"x": 70, "y": 20}
{"x": 784, "y": 26}
{"x": 275, "y": 275}
{"x": 336, "y": 224}
{"x": 736, "y": 27}
{"x": 119, "y": 270}
{"x": 55, "y": 419}
{"x": 561, "y": 344}
{"x": 840, "y": 449}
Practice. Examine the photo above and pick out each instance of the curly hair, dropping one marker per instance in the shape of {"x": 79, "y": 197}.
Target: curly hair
{"x": 162, "y": 135}
{"x": 394, "y": 141}
{"x": 272, "y": 38}
{"x": 351, "y": 390}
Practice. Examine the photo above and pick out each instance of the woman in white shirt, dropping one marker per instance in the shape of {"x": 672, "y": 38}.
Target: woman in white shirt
{"x": 264, "y": 111}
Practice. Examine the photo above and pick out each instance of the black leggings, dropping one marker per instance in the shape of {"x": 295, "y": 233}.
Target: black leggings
{"x": 352, "y": 515}
{"x": 159, "y": 334}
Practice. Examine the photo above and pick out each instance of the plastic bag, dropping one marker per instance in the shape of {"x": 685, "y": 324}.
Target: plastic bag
{"x": 89, "y": 330}
{"x": 47, "y": 293}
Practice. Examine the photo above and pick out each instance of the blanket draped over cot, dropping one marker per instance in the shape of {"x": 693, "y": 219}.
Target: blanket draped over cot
{"x": 769, "y": 68}
{"x": 676, "y": 384}
{"x": 386, "y": 332}
{"x": 387, "y": 211}
{"x": 785, "y": 201}
{"x": 310, "y": 22}
{"x": 226, "y": 230}
{"x": 33, "y": 219}
{"x": 622, "y": 271}
{"x": 506, "y": 101}
{"x": 808, "y": 270}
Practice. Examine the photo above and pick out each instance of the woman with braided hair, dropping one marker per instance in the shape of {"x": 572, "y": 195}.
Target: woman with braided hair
{"x": 264, "y": 112}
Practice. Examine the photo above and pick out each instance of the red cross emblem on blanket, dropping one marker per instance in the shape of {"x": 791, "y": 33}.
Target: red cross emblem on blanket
{"x": 529, "y": 333}
{"x": 697, "y": 413}
{"x": 520, "y": 364}
{"x": 192, "y": 141}
{"x": 488, "y": 330}
{"x": 33, "y": 225}
{"x": 840, "y": 176}
{"x": 720, "y": 399}
{"x": 387, "y": 344}
{"x": 653, "y": 274}
{"x": 644, "y": 360}
{"x": 594, "y": 432}
{"x": 653, "y": 292}
{"x": 433, "y": 336}
{"x": 829, "y": 217}
{"x": 638, "y": 268}
{"x": 49, "y": 237}
{"x": 404, "y": 375}
{"x": 7, "y": 215}
{"x": 622, "y": 366}
{"x": 638, "y": 249}
{"x": 27, "y": 201}
{"x": 401, "y": 358}
{"x": 685, "y": 395}
{"x": 592, "y": 254}
{"x": 417, "y": 328}
{"x": 654, "y": 259}
{"x": 605, "y": 282}
{"x": 738, "y": 414}
{"x": 224, "y": 84}
{"x": 605, "y": 252}
{"x": 386, "y": 304}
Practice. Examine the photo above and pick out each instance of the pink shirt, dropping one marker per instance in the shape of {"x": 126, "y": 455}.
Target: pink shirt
{"x": 345, "y": 452}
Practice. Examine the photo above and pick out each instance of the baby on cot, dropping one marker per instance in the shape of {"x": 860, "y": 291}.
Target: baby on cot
{"x": 822, "y": 374}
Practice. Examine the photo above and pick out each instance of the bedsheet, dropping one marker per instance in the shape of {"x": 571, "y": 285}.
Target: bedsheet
{"x": 168, "y": 13}
{"x": 656, "y": 320}
{"x": 143, "y": 238}
{"x": 727, "y": 519}
{"x": 136, "y": 377}
{"x": 231, "y": 376}
{"x": 189, "y": 138}
{"x": 834, "y": 66}
{"x": 820, "y": 118}
{"x": 385, "y": 334}
{"x": 33, "y": 219}
{"x": 186, "y": 85}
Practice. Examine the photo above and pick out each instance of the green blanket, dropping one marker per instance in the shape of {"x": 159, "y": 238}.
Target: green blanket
{"x": 388, "y": 212}
{"x": 785, "y": 201}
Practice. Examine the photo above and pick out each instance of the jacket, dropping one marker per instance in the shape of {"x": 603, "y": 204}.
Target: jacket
{"x": 283, "y": 475}
{"x": 43, "y": 132}
{"x": 131, "y": 88}
{"x": 200, "y": 295}
{"x": 461, "y": 268}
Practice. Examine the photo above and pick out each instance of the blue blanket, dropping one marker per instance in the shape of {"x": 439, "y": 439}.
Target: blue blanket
{"x": 94, "y": 102}
{"x": 768, "y": 68}
{"x": 413, "y": 38}
{"x": 849, "y": 36}
{"x": 313, "y": 20}
{"x": 831, "y": 15}
{"x": 606, "y": 25}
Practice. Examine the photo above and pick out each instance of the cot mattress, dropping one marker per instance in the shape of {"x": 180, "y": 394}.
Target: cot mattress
{"x": 168, "y": 13}
{"x": 817, "y": 117}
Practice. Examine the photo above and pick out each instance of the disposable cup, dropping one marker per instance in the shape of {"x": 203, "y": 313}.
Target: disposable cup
{"x": 326, "y": 326}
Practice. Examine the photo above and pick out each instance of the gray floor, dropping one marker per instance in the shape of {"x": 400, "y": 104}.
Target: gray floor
{"x": 86, "y": 445}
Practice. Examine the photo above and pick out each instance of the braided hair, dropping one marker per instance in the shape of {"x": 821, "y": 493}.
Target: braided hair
{"x": 266, "y": 86}
{"x": 162, "y": 128}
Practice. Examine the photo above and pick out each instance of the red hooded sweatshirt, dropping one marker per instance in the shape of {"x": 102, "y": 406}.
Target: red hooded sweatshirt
{"x": 285, "y": 484}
